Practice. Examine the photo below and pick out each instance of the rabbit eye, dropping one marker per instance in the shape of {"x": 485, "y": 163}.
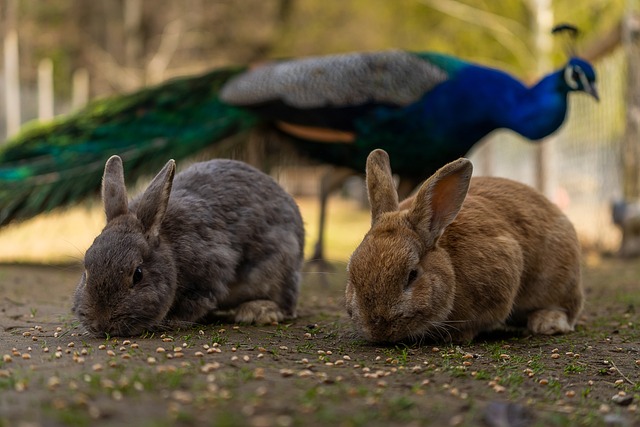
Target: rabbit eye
{"x": 412, "y": 277}
{"x": 137, "y": 275}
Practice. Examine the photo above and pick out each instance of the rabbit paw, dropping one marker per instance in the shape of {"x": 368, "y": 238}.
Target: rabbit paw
{"x": 549, "y": 322}
{"x": 259, "y": 311}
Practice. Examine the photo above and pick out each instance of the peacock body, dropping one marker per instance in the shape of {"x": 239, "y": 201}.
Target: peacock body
{"x": 424, "y": 109}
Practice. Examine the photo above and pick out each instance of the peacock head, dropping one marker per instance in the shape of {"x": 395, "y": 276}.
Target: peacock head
{"x": 580, "y": 76}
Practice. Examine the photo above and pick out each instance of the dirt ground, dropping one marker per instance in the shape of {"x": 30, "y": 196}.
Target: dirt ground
{"x": 313, "y": 371}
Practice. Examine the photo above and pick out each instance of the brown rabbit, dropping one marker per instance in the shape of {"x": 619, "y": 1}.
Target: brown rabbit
{"x": 460, "y": 257}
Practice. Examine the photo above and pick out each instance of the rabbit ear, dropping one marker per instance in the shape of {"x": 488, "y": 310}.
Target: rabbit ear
{"x": 154, "y": 201}
{"x": 439, "y": 200}
{"x": 383, "y": 196}
{"x": 114, "y": 192}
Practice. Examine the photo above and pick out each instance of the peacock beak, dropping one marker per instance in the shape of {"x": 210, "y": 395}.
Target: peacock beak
{"x": 592, "y": 90}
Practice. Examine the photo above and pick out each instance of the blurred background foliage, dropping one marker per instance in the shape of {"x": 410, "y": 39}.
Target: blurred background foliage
{"x": 128, "y": 43}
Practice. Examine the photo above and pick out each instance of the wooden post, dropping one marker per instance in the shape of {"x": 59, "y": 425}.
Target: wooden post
{"x": 12, "y": 83}
{"x": 80, "y": 88}
{"x": 45, "y": 89}
{"x": 631, "y": 142}
{"x": 627, "y": 213}
{"x": 543, "y": 23}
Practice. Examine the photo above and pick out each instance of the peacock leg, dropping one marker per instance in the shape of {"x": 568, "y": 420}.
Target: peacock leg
{"x": 331, "y": 180}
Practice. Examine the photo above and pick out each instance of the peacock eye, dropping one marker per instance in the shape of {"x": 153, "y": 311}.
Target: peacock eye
{"x": 575, "y": 75}
{"x": 412, "y": 277}
{"x": 137, "y": 275}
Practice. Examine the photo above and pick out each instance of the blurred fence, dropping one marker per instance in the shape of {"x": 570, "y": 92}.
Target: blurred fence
{"x": 585, "y": 174}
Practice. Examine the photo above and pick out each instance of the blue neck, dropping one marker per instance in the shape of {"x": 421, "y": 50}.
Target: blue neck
{"x": 537, "y": 112}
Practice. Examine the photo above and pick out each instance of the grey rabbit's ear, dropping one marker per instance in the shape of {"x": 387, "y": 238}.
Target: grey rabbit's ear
{"x": 154, "y": 201}
{"x": 114, "y": 192}
{"x": 439, "y": 200}
{"x": 383, "y": 196}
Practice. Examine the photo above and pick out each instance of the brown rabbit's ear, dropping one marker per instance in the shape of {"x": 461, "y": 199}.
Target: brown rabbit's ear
{"x": 383, "y": 196}
{"x": 154, "y": 201}
{"x": 439, "y": 200}
{"x": 114, "y": 192}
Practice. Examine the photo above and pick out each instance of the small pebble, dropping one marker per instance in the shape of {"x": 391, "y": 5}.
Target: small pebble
{"x": 622, "y": 400}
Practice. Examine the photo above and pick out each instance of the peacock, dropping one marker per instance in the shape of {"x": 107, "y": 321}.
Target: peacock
{"x": 423, "y": 108}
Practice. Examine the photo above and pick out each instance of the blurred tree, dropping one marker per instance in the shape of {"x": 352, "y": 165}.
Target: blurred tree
{"x": 128, "y": 43}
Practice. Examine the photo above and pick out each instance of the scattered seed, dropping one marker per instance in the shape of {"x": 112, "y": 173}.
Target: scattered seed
{"x": 198, "y": 354}
{"x": 7, "y": 358}
{"x": 71, "y": 344}
{"x": 210, "y": 367}
{"x": 160, "y": 350}
{"x": 286, "y": 372}
{"x": 543, "y": 381}
{"x": 570, "y": 393}
{"x": 260, "y": 355}
{"x": 555, "y": 356}
{"x": 619, "y": 382}
{"x": 151, "y": 360}
{"x": 26, "y": 356}
{"x": 258, "y": 373}
{"x": 111, "y": 353}
{"x": 102, "y": 347}
{"x": 305, "y": 373}
{"x": 53, "y": 382}
{"x": 246, "y": 358}
{"x": 26, "y": 334}
{"x": 181, "y": 396}
{"x": 126, "y": 342}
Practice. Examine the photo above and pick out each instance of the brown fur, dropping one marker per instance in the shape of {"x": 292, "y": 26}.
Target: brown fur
{"x": 502, "y": 254}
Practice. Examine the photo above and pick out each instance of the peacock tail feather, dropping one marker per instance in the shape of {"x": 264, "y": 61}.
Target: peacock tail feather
{"x": 45, "y": 166}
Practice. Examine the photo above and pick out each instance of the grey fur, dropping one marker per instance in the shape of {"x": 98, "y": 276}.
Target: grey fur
{"x": 224, "y": 236}
{"x": 394, "y": 77}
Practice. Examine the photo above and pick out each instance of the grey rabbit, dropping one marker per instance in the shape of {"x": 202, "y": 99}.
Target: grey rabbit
{"x": 220, "y": 236}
